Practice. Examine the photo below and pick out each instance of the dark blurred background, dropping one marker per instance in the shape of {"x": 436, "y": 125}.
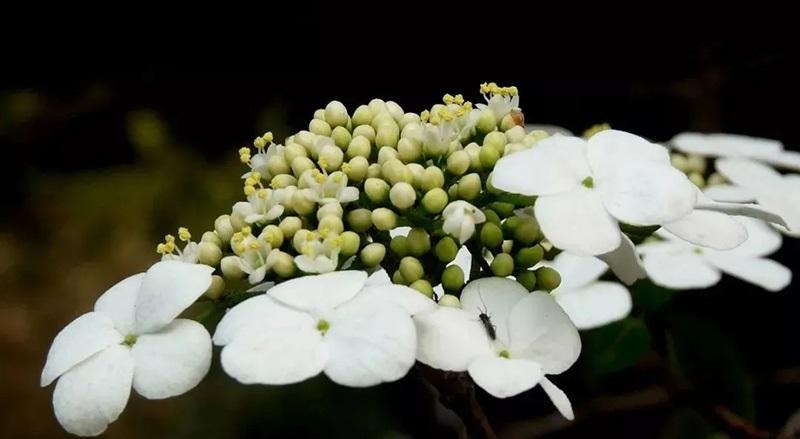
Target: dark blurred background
{"x": 99, "y": 163}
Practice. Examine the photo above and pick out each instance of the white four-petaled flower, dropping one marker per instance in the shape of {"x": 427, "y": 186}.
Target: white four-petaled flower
{"x": 132, "y": 338}
{"x": 460, "y": 218}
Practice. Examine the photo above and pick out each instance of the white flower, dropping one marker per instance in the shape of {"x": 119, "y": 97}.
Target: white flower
{"x": 265, "y": 206}
{"x": 754, "y": 181}
{"x": 501, "y": 100}
{"x": 258, "y": 162}
{"x": 460, "y": 218}
{"x": 359, "y": 335}
{"x": 734, "y": 145}
{"x": 588, "y": 302}
{"x": 132, "y": 338}
{"x": 585, "y": 188}
{"x": 674, "y": 263}
{"x": 255, "y": 255}
{"x": 329, "y": 187}
{"x": 319, "y": 255}
{"x": 526, "y": 336}
{"x": 189, "y": 254}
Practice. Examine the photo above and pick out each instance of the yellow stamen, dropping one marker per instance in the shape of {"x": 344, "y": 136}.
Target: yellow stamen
{"x": 183, "y": 234}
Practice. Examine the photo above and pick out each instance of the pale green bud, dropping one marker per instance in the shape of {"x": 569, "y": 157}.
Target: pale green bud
{"x": 450, "y": 301}
{"x": 330, "y": 209}
{"x": 528, "y": 231}
{"x": 487, "y": 122}
{"x": 395, "y": 110}
{"x": 433, "y": 177}
{"x": 330, "y": 158}
{"x": 502, "y": 265}
{"x": 511, "y": 148}
{"x": 290, "y": 225}
{"x": 453, "y": 278}
{"x": 491, "y": 235}
{"x": 409, "y": 150}
{"x": 435, "y": 200}
{"x": 715, "y": 179}
{"x": 356, "y": 169}
{"x": 399, "y": 245}
{"x": 230, "y": 267}
{"x": 489, "y": 186}
{"x": 680, "y": 162}
{"x": 366, "y": 131}
{"x": 304, "y": 201}
{"x": 411, "y": 269}
{"x": 362, "y": 116}
{"x": 458, "y": 162}
{"x": 209, "y": 253}
{"x": 423, "y": 286}
{"x": 469, "y": 186}
{"x": 508, "y": 122}
{"x": 413, "y": 131}
{"x": 359, "y": 220}
{"x": 384, "y": 219}
{"x": 283, "y": 180}
{"x": 419, "y": 242}
{"x": 216, "y": 288}
{"x": 488, "y": 156}
{"x": 301, "y": 237}
{"x": 697, "y": 179}
{"x": 402, "y": 195}
{"x": 300, "y": 165}
{"x": 377, "y": 106}
{"x": 336, "y": 114}
{"x": 398, "y": 279}
{"x": 496, "y": 140}
{"x": 408, "y": 118}
{"x": 474, "y": 152}
{"x": 446, "y": 249}
{"x": 319, "y": 114}
{"x": 417, "y": 172}
{"x": 272, "y": 235}
{"x": 350, "y": 243}
{"x": 341, "y": 137}
{"x": 527, "y": 279}
{"x": 359, "y": 146}
{"x": 454, "y": 146}
{"x": 548, "y": 278}
{"x": 223, "y": 227}
{"x": 331, "y": 224}
{"x": 385, "y": 154}
{"x": 306, "y": 139}
{"x": 377, "y": 190}
{"x": 452, "y": 191}
{"x": 319, "y": 127}
{"x": 277, "y": 165}
{"x": 372, "y": 254}
{"x": 283, "y": 265}
{"x": 696, "y": 163}
{"x": 383, "y": 119}
{"x": 516, "y": 134}
{"x": 289, "y": 140}
{"x": 294, "y": 150}
{"x": 534, "y": 137}
{"x": 374, "y": 171}
{"x": 212, "y": 237}
{"x": 387, "y": 135}
{"x": 395, "y": 171}
{"x": 529, "y": 256}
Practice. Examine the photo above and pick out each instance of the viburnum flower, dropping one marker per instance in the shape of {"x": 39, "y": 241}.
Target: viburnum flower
{"x": 588, "y": 302}
{"x": 263, "y": 206}
{"x": 131, "y": 339}
{"x": 255, "y": 255}
{"x": 329, "y": 188}
{"x": 319, "y": 255}
{"x": 460, "y": 218}
{"x": 169, "y": 251}
{"x": 585, "y": 188}
{"x": 753, "y": 181}
{"x": 734, "y": 145}
{"x": 357, "y": 334}
{"x": 506, "y": 338}
{"x": 501, "y": 100}
{"x": 674, "y": 263}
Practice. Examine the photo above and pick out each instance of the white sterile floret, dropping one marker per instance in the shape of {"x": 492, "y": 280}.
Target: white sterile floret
{"x": 733, "y": 145}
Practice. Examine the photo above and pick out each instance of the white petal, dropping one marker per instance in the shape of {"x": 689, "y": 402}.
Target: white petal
{"x": 504, "y": 377}
{"x": 82, "y": 338}
{"x": 785, "y": 202}
{"x": 167, "y": 289}
{"x": 319, "y": 264}
{"x": 495, "y": 297}
{"x": 683, "y": 271}
{"x": 784, "y": 160}
{"x": 646, "y": 193}
{"x": 171, "y": 361}
{"x": 282, "y": 346}
{"x": 243, "y": 317}
{"x": 747, "y": 173}
{"x": 671, "y": 245}
{"x": 762, "y": 240}
{"x": 557, "y": 164}
{"x": 399, "y": 231}
{"x": 709, "y": 229}
{"x": 765, "y": 273}
{"x": 464, "y": 261}
{"x": 577, "y": 271}
{"x": 749, "y": 210}
{"x": 596, "y": 304}
{"x": 409, "y": 299}
{"x": 93, "y": 394}
{"x": 449, "y": 338}
{"x": 725, "y": 145}
{"x": 321, "y": 293}
{"x": 541, "y": 331}
{"x": 576, "y": 221}
{"x": 610, "y": 148}
{"x": 624, "y": 262}
{"x": 348, "y": 194}
{"x": 379, "y": 277}
{"x": 558, "y": 397}
{"x": 369, "y": 343}
{"x": 729, "y": 193}
{"x": 119, "y": 303}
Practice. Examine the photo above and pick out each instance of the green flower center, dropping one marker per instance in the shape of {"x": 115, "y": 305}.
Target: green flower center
{"x": 323, "y": 326}
{"x": 504, "y": 354}
{"x": 588, "y": 182}
{"x": 129, "y": 340}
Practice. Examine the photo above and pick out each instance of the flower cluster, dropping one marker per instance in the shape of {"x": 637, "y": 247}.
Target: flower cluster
{"x": 454, "y": 237}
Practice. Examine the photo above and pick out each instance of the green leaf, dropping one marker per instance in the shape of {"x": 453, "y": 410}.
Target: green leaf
{"x": 648, "y": 297}
{"x": 617, "y": 346}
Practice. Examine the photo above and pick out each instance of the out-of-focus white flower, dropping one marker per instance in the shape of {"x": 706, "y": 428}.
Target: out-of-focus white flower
{"x": 733, "y": 145}
{"x": 460, "y": 218}
{"x": 131, "y": 339}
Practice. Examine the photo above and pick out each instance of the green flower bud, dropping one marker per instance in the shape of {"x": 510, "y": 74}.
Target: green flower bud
{"x": 458, "y": 162}
{"x": 433, "y": 177}
{"x": 292, "y": 151}
{"x": 446, "y": 249}
{"x": 300, "y": 165}
{"x": 336, "y": 114}
{"x": 417, "y": 171}
{"x": 366, "y": 131}
{"x": 290, "y": 225}
{"x": 435, "y": 200}
{"x": 697, "y": 179}
{"x": 282, "y": 181}
{"x": 272, "y": 235}
{"x": 330, "y": 158}
{"x": 534, "y": 137}
{"x": 487, "y": 122}
{"x": 680, "y": 162}
{"x": 384, "y": 219}
{"x": 402, "y": 195}
{"x": 350, "y": 243}
{"x": 385, "y": 154}
{"x": 212, "y": 237}
{"x": 423, "y": 286}
{"x": 548, "y": 278}
{"x": 331, "y": 224}
{"x": 394, "y": 171}
{"x": 469, "y": 186}
{"x": 527, "y": 279}
{"x": 356, "y": 169}
{"x": 330, "y": 209}
{"x": 491, "y": 216}
{"x": 474, "y": 152}
{"x": 359, "y": 220}
{"x": 503, "y": 210}
{"x": 223, "y": 227}
{"x": 491, "y": 235}
{"x": 237, "y": 219}
{"x": 715, "y": 179}
{"x": 362, "y": 116}
{"x": 511, "y": 148}
{"x": 277, "y": 165}
{"x": 450, "y": 300}
{"x": 374, "y": 171}
{"x": 301, "y": 237}
{"x": 377, "y": 106}
{"x": 516, "y": 134}
{"x": 383, "y": 119}
{"x": 319, "y": 114}
{"x": 452, "y": 191}
{"x": 453, "y": 278}
{"x": 411, "y": 268}
{"x": 502, "y": 265}
{"x": 399, "y": 245}
{"x": 319, "y": 127}
{"x": 528, "y": 231}
{"x": 419, "y": 242}
{"x": 372, "y": 254}
{"x": 454, "y": 146}
{"x": 230, "y": 267}
{"x": 508, "y": 122}
{"x": 510, "y": 225}
{"x": 209, "y": 253}
{"x": 387, "y": 135}
{"x": 305, "y": 138}
{"x": 341, "y": 137}
{"x": 407, "y": 119}
{"x": 216, "y": 288}
{"x": 413, "y": 131}
{"x": 527, "y": 257}
{"x": 359, "y": 146}
{"x": 397, "y": 278}
{"x": 490, "y": 187}
{"x": 409, "y": 150}
{"x": 488, "y": 157}
{"x": 395, "y": 110}
{"x": 696, "y": 163}
{"x": 496, "y": 140}
{"x": 304, "y": 201}
{"x": 283, "y": 265}
{"x": 377, "y": 190}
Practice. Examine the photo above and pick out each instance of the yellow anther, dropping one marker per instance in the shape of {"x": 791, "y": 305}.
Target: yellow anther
{"x": 246, "y": 231}
{"x": 514, "y": 90}
{"x": 183, "y": 234}
{"x": 169, "y": 239}
{"x": 337, "y": 241}
{"x": 255, "y": 245}
{"x": 308, "y": 249}
{"x": 337, "y": 178}
{"x": 250, "y": 181}
{"x": 346, "y": 167}
{"x": 255, "y": 175}
{"x": 161, "y": 249}
{"x": 459, "y": 99}
{"x": 259, "y": 142}
{"x": 311, "y": 236}
{"x": 267, "y": 137}
{"x": 425, "y": 116}
{"x": 324, "y": 232}
{"x": 169, "y": 247}
{"x": 319, "y": 177}
{"x": 323, "y": 162}
{"x": 244, "y": 151}
{"x": 249, "y": 190}
{"x": 484, "y": 88}
{"x": 448, "y": 99}
{"x": 237, "y": 237}
{"x": 241, "y": 248}
{"x": 467, "y": 106}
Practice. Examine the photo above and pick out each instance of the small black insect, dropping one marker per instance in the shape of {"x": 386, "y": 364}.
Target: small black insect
{"x": 491, "y": 330}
